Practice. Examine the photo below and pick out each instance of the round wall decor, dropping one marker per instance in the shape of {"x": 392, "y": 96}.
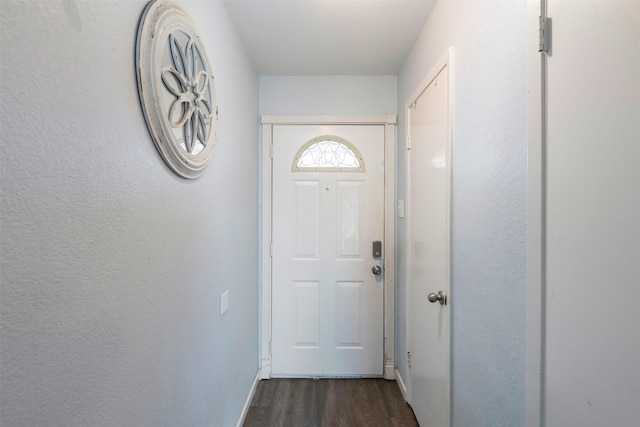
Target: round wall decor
{"x": 175, "y": 85}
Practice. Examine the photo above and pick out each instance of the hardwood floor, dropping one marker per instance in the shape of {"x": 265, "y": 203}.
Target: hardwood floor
{"x": 329, "y": 402}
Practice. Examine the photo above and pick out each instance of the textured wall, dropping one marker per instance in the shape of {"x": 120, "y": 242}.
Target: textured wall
{"x": 303, "y": 95}
{"x": 488, "y": 298}
{"x": 112, "y": 266}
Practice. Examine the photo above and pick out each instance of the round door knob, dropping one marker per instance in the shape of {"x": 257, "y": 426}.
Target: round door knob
{"x": 439, "y": 297}
{"x": 377, "y": 270}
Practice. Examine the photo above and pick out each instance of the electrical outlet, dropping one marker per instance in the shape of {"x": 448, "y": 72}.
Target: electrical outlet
{"x": 224, "y": 302}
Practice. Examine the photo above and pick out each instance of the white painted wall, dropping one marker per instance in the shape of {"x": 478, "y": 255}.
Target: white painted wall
{"x": 112, "y": 266}
{"x": 488, "y": 298}
{"x": 309, "y": 95}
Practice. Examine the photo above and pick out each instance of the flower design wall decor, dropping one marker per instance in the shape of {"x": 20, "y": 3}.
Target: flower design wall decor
{"x": 175, "y": 86}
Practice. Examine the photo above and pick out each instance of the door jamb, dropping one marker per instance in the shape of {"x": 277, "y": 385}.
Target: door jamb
{"x": 536, "y": 220}
{"x": 389, "y": 122}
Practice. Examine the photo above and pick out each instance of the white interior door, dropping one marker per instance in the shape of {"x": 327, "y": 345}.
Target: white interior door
{"x": 593, "y": 215}
{"x": 428, "y": 240}
{"x": 327, "y": 304}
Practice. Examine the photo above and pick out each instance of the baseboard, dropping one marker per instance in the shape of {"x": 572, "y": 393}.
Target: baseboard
{"x": 389, "y": 371}
{"x": 403, "y": 388}
{"x": 247, "y": 403}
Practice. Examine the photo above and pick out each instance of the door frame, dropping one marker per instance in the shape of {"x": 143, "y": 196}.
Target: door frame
{"x": 536, "y": 220}
{"x": 267, "y": 122}
{"x": 446, "y": 60}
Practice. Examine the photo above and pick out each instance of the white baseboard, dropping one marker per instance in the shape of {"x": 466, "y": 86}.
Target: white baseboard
{"x": 247, "y": 403}
{"x": 403, "y": 388}
{"x": 389, "y": 371}
{"x": 265, "y": 370}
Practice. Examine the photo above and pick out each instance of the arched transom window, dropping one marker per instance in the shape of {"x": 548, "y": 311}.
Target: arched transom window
{"x": 328, "y": 153}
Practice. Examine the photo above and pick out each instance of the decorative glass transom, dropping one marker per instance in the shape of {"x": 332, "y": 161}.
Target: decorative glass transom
{"x": 328, "y": 154}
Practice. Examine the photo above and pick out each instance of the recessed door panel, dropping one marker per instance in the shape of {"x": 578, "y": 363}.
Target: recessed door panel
{"x": 307, "y": 220}
{"x": 348, "y": 314}
{"x": 307, "y": 307}
{"x": 349, "y": 212}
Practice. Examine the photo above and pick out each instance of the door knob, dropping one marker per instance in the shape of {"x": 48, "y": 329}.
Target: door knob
{"x": 439, "y": 297}
{"x": 376, "y": 270}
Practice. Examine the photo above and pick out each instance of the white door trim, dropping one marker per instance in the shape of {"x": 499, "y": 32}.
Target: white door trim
{"x": 536, "y": 231}
{"x": 267, "y": 121}
{"x": 446, "y": 60}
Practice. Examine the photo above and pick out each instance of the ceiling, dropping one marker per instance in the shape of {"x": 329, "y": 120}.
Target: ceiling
{"x": 328, "y": 37}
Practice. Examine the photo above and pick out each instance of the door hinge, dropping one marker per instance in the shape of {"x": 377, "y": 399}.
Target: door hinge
{"x": 270, "y": 346}
{"x": 544, "y": 32}
{"x": 271, "y": 249}
{"x": 408, "y": 358}
{"x": 271, "y": 150}
{"x": 408, "y": 142}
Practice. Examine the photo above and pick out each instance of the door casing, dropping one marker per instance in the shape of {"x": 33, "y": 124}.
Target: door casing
{"x": 268, "y": 121}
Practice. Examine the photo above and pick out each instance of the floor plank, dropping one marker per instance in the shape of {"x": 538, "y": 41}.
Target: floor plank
{"x": 329, "y": 402}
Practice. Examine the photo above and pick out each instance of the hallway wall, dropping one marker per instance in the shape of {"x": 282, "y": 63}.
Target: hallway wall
{"x": 112, "y": 266}
{"x": 488, "y": 298}
{"x": 309, "y": 95}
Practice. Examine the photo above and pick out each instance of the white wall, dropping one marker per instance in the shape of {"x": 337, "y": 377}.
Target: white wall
{"x": 309, "y": 95}
{"x": 112, "y": 266}
{"x": 488, "y": 298}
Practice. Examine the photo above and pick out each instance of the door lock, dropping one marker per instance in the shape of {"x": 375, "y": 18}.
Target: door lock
{"x": 376, "y": 249}
{"x": 376, "y": 270}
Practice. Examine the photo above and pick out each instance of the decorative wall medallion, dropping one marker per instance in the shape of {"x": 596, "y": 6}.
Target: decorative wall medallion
{"x": 175, "y": 84}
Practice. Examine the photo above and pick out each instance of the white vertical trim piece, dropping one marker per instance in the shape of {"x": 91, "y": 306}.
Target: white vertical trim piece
{"x": 534, "y": 371}
{"x": 247, "y": 402}
{"x": 389, "y": 122}
{"x": 451, "y": 80}
{"x": 389, "y": 250}
{"x": 265, "y": 295}
{"x": 408, "y": 287}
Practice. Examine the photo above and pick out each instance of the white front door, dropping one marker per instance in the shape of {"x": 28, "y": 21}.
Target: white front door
{"x": 327, "y": 303}
{"x": 428, "y": 241}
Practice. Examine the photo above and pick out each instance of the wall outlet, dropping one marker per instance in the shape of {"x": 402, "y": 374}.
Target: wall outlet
{"x": 224, "y": 302}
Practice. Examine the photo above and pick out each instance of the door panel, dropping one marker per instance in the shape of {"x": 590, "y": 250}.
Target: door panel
{"x": 307, "y": 219}
{"x": 348, "y": 306}
{"x": 307, "y": 315}
{"x": 327, "y": 305}
{"x": 349, "y": 211}
{"x": 593, "y": 215}
{"x": 428, "y": 239}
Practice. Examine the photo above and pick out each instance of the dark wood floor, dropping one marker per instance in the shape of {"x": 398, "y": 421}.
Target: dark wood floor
{"x": 329, "y": 402}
